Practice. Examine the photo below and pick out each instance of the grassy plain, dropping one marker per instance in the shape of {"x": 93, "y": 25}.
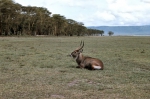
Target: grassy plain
{"x": 39, "y": 68}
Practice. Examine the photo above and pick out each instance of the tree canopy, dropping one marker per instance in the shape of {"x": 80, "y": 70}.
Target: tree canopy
{"x": 16, "y": 19}
{"x": 110, "y": 33}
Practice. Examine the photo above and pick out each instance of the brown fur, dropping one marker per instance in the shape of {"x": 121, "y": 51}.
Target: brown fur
{"x": 84, "y": 61}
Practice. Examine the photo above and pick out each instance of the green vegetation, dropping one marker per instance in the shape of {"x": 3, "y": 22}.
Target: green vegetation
{"x": 39, "y": 68}
{"x": 16, "y": 19}
{"x": 110, "y": 33}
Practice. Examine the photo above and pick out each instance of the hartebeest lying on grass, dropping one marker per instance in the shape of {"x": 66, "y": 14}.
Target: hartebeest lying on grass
{"x": 86, "y": 62}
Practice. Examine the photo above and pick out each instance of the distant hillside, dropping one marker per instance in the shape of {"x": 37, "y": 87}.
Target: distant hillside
{"x": 124, "y": 30}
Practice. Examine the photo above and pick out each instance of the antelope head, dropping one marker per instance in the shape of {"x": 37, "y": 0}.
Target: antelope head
{"x": 76, "y": 53}
{"x": 85, "y": 61}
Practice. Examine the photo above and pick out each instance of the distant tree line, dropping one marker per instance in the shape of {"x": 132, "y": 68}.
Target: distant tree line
{"x": 16, "y": 19}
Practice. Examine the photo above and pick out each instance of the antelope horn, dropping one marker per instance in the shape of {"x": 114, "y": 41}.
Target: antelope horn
{"x": 81, "y": 45}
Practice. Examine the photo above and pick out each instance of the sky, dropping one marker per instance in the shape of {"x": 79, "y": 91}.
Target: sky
{"x": 98, "y": 12}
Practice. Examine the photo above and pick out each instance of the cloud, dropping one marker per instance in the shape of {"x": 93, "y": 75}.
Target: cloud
{"x": 110, "y": 1}
{"x": 146, "y": 1}
{"x": 98, "y": 12}
{"x": 127, "y": 12}
{"x": 105, "y": 15}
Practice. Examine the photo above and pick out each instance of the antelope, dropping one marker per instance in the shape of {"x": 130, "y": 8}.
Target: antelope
{"x": 85, "y": 61}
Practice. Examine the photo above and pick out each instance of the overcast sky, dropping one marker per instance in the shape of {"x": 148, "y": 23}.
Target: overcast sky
{"x": 98, "y": 12}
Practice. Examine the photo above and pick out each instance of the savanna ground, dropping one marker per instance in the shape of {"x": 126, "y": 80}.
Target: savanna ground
{"x": 39, "y": 68}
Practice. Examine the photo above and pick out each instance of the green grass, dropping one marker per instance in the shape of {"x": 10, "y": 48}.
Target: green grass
{"x": 39, "y": 68}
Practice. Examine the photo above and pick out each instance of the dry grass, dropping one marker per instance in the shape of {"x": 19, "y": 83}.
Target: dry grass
{"x": 38, "y": 68}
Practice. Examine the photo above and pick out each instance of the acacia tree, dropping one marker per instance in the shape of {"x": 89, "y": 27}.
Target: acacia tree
{"x": 110, "y": 33}
{"x": 70, "y": 27}
{"x": 7, "y": 13}
{"x": 42, "y": 20}
{"x": 17, "y": 20}
{"x": 80, "y": 29}
{"x": 58, "y": 22}
{"x": 101, "y": 32}
{"x": 94, "y": 32}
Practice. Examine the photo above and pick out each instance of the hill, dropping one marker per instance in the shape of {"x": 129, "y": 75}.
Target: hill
{"x": 125, "y": 30}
